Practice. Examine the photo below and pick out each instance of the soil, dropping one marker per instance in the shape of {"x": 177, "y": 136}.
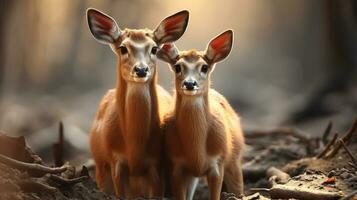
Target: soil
{"x": 288, "y": 153}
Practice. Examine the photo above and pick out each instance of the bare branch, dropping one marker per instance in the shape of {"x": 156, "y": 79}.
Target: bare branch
{"x": 327, "y": 132}
{"x": 284, "y": 131}
{"x": 32, "y": 168}
{"x": 328, "y": 146}
{"x": 279, "y": 191}
{"x": 58, "y": 147}
{"x": 278, "y": 175}
{"x": 349, "y": 153}
{"x": 66, "y": 181}
{"x": 36, "y": 186}
{"x": 346, "y": 138}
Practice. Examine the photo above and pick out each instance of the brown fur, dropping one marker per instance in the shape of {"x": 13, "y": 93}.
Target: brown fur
{"x": 200, "y": 129}
{"x": 126, "y": 138}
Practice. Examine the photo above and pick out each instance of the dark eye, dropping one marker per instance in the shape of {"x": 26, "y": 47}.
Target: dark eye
{"x": 154, "y": 50}
{"x": 177, "y": 68}
{"x": 123, "y": 50}
{"x": 204, "y": 68}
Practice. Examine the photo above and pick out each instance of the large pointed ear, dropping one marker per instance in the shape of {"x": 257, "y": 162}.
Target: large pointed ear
{"x": 168, "y": 53}
{"x": 171, "y": 28}
{"x": 103, "y": 27}
{"x": 220, "y": 47}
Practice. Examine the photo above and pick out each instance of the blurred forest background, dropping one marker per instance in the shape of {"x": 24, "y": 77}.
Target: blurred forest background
{"x": 294, "y": 63}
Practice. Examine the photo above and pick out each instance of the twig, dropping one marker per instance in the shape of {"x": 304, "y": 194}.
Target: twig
{"x": 345, "y": 139}
{"x": 335, "y": 150}
{"x": 350, "y": 132}
{"x": 278, "y": 175}
{"x": 279, "y": 191}
{"x": 66, "y": 181}
{"x": 350, "y": 196}
{"x": 259, "y": 190}
{"x": 328, "y": 146}
{"x": 284, "y": 131}
{"x": 349, "y": 153}
{"x": 36, "y": 186}
{"x": 31, "y": 168}
{"x": 58, "y": 147}
{"x": 352, "y": 165}
{"x": 327, "y": 132}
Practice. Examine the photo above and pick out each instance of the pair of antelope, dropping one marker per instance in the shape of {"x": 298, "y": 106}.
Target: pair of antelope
{"x": 139, "y": 142}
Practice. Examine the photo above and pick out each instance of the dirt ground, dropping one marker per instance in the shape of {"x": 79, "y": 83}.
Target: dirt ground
{"x": 282, "y": 163}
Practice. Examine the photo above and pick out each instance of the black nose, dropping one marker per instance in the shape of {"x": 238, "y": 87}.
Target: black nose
{"x": 141, "y": 71}
{"x": 190, "y": 85}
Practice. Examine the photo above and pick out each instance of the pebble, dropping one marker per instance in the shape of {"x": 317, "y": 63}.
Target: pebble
{"x": 344, "y": 170}
{"x": 353, "y": 179}
{"x": 331, "y": 173}
{"x": 346, "y": 175}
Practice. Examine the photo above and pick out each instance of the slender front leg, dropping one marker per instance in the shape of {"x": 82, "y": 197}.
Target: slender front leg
{"x": 116, "y": 178}
{"x": 103, "y": 178}
{"x": 179, "y": 184}
{"x": 192, "y": 187}
{"x": 215, "y": 180}
{"x": 156, "y": 182}
{"x": 233, "y": 178}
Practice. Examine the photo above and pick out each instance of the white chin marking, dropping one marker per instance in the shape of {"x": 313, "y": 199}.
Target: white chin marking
{"x": 141, "y": 80}
{"x": 190, "y": 92}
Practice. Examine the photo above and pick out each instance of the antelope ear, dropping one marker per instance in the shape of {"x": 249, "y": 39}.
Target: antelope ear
{"x": 103, "y": 27}
{"x": 168, "y": 53}
{"x": 219, "y": 47}
{"x": 171, "y": 28}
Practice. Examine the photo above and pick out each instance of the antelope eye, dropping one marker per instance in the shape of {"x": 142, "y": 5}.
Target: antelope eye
{"x": 177, "y": 68}
{"x": 123, "y": 50}
{"x": 204, "y": 68}
{"x": 154, "y": 50}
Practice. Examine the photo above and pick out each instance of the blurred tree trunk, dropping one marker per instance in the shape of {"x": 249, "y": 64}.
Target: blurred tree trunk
{"x": 5, "y": 9}
{"x": 341, "y": 18}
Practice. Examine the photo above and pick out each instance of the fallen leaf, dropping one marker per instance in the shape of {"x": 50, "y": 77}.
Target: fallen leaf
{"x": 330, "y": 180}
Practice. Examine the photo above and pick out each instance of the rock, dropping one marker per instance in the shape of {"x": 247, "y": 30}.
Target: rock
{"x": 346, "y": 175}
{"x": 331, "y": 173}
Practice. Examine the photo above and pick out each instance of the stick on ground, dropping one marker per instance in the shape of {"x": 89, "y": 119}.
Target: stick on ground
{"x": 66, "y": 181}
{"x": 327, "y": 132}
{"x": 349, "y": 153}
{"x": 346, "y": 138}
{"x": 279, "y": 191}
{"x": 328, "y": 146}
{"x": 278, "y": 175}
{"x": 32, "y": 168}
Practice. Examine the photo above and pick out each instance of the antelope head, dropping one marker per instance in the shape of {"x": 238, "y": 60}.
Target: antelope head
{"x": 193, "y": 68}
{"x": 136, "y": 48}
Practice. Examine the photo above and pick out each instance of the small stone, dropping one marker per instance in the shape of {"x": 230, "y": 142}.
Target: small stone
{"x": 345, "y": 175}
{"x": 344, "y": 170}
{"x": 331, "y": 173}
{"x": 353, "y": 179}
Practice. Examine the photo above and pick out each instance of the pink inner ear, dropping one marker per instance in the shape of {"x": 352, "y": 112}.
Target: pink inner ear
{"x": 166, "y": 47}
{"x": 173, "y": 22}
{"x": 103, "y": 21}
{"x": 220, "y": 43}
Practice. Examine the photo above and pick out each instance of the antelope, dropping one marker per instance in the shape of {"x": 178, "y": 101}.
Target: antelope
{"x": 126, "y": 140}
{"x": 203, "y": 135}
